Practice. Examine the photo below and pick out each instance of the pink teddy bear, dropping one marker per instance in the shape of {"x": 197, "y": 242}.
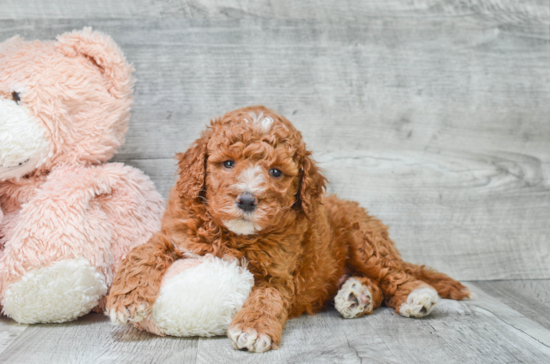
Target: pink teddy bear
{"x": 67, "y": 218}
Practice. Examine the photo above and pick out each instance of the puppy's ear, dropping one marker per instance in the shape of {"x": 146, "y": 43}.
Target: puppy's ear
{"x": 192, "y": 169}
{"x": 312, "y": 185}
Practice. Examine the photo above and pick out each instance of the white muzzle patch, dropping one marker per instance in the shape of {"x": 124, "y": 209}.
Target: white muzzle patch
{"x": 251, "y": 180}
{"x": 241, "y": 227}
{"x": 23, "y": 142}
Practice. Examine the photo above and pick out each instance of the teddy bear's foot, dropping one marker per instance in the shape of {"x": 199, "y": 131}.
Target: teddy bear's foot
{"x": 354, "y": 299}
{"x": 199, "y": 297}
{"x": 59, "y": 293}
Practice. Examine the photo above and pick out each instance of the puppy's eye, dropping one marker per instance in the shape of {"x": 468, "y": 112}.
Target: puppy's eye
{"x": 15, "y": 96}
{"x": 275, "y": 173}
{"x": 228, "y": 164}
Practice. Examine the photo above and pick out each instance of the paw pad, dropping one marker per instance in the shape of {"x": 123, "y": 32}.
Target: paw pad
{"x": 249, "y": 340}
{"x": 354, "y": 299}
{"x": 419, "y": 303}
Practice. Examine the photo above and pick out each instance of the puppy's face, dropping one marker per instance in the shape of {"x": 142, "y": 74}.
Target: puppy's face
{"x": 252, "y": 171}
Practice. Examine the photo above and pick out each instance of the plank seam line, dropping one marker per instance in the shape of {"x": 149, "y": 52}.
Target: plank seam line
{"x": 511, "y": 325}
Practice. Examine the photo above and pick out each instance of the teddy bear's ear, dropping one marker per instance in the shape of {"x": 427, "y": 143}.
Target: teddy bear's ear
{"x": 104, "y": 53}
{"x": 11, "y": 43}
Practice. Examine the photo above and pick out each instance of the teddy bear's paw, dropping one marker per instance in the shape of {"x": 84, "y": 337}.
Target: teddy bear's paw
{"x": 249, "y": 340}
{"x": 419, "y": 303}
{"x": 199, "y": 297}
{"x": 354, "y": 299}
{"x": 61, "y": 292}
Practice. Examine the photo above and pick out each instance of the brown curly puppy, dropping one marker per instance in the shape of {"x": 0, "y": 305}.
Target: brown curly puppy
{"x": 249, "y": 188}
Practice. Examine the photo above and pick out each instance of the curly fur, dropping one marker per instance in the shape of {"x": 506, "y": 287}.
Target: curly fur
{"x": 305, "y": 241}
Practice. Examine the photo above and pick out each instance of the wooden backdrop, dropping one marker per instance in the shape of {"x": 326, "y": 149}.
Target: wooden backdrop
{"x": 434, "y": 114}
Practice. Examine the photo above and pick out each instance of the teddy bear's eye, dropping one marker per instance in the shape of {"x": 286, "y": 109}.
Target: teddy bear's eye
{"x": 15, "y": 96}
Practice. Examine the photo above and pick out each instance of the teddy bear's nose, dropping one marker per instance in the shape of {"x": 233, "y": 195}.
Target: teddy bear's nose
{"x": 247, "y": 202}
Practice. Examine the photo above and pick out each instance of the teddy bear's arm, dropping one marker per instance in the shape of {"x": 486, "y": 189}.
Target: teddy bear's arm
{"x": 138, "y": 279}
{"x": 63, "y": 221}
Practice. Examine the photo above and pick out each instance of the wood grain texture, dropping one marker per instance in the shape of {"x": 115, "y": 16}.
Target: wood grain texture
{"x": 434, "y": 115}
{"x": 484, "y": 330}
{"x": 530, "y": 297}
{"x": 9, "y": 331}
{"x": 93, "y": 339}
{"x": 327, "y": 10}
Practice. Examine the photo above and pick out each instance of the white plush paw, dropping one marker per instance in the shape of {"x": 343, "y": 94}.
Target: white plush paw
{"x": 59, "y": 293}
{"x": 249, "y": 340}
{"x": 420, "y": 302}
{"x": 353, "y": 299}
{"x": 199, "y": 297}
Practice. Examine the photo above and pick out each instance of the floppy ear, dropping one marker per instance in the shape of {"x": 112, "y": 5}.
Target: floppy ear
{"x": 104, "y": 53}
{"x": 192, "y": 169}
{"x": 312, "y": 185}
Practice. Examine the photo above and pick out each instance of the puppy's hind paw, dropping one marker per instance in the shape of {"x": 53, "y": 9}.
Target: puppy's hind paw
{"x": 419, "y": 303}
{"x": 354, "y": 299}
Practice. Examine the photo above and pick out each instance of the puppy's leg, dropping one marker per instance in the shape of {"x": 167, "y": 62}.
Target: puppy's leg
{"x": 358, "y": 296}
{"x": 412, "y": 299}
{"x": 258, "y": 326}
{"x": 409, "y": 296}
{"x": 445, "y": 286}
{"x": 373, "y": 254}
{"x": 137, "y": 282}
{"x": 414, "y": 291}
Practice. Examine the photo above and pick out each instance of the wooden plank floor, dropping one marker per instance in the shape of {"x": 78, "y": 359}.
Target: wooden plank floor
{"x": 508, "y": 322}
{"x": 433, "y": 114}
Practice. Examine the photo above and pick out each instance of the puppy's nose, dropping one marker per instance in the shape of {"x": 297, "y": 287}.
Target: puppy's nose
{"x": 247, "y": 202}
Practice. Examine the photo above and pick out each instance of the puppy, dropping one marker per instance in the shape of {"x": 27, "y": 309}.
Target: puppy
{"x": 248, "y": 188}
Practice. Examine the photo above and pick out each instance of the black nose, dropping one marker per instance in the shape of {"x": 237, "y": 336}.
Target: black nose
{"x": 246, "y": 202}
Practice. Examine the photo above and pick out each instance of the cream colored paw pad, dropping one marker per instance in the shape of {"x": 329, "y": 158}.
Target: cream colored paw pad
{"x": 353, "y": 299}
{"x": 249, "y": 340}
{"x": 420, "y": 302}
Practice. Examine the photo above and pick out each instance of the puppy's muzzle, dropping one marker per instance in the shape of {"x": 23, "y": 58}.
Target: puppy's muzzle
{"x": 247, "y": 202}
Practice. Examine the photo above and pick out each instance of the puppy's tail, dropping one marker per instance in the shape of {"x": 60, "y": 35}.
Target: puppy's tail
{"x": 445, "y": 286}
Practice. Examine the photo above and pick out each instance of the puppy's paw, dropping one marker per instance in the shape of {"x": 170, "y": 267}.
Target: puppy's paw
{"x": 123, "y": 314}
{"x": 247, "y": 339}
{"x": 354, "y": 299}
{"x": 420, "y": 302}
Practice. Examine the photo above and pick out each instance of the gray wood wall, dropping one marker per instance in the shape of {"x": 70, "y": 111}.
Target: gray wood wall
{"x": 434, "y": 114}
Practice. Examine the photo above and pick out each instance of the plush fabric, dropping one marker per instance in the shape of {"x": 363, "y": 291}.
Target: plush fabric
{"x": 67, "y": 218}
{"x": 199, "y": 297}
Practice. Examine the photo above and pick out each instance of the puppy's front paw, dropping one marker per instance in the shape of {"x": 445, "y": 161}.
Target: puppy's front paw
{"x": 124, "y": 313}
{"x": 248, "y": 339}
{"x": 420, "y": 302}
{"x": 354, "y": 299}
